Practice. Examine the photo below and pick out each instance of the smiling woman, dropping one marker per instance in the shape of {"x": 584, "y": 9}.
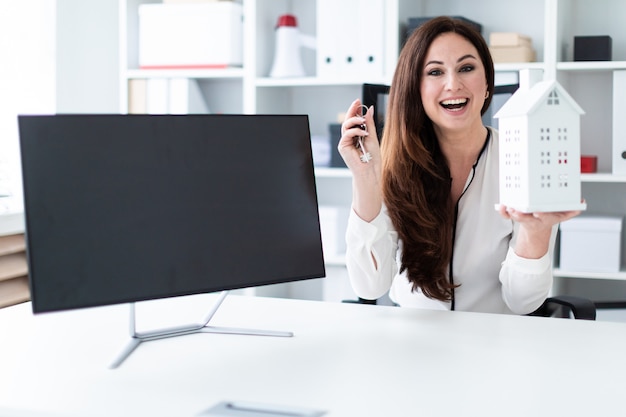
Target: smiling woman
{"x": 423, "y": 225}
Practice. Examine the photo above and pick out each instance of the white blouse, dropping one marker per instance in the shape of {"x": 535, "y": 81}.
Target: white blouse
{"x": 492, "y": 277}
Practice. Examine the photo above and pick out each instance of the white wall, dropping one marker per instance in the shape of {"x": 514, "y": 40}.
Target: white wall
{"x": 55, "y": 56}
{"x": 27, "y": 81}
{"x": 87, "y": 56}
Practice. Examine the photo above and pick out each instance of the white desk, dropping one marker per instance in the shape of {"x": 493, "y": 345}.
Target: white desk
{"x": 350, "y": 360}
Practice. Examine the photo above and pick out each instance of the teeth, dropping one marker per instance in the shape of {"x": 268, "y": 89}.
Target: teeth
{"x": 453, "y": 102}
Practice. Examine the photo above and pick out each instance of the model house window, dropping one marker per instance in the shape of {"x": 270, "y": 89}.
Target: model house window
{"x": 553, "y": 99}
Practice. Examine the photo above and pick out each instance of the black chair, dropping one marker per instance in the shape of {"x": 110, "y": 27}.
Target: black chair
{"x": 562, "y": 306}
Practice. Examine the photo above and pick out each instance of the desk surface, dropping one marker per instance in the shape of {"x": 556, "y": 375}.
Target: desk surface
{"x": 350, "y": 360}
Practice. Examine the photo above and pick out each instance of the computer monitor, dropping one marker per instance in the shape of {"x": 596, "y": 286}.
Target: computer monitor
{"x": 376, "y": 95}
{"x": 501, "y": 93}
{"x": 125, "y": 208}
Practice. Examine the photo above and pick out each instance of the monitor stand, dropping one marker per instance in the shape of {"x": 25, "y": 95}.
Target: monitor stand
{"x": 138, "y": 338}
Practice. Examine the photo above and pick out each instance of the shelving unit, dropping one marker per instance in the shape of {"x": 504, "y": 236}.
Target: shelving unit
{"x": 590, "y": 83}
{"x": 13, "y": 270}
{"x": 551, "y": 24}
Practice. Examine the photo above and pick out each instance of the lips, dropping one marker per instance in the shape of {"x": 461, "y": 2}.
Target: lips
{"x": 454, "y": 104}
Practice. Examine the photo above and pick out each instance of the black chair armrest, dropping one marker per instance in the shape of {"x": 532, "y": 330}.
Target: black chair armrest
{"x": 360, "y": 301}
{"x": 560, "y": 306}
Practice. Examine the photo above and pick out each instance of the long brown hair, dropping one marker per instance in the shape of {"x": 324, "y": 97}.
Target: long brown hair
{"x": 416, "y": 176}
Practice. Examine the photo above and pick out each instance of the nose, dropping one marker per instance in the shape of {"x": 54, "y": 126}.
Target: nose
{"x": 452, "y": 81}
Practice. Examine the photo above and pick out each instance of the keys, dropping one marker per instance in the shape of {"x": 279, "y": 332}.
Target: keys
{"x": 366, "y": 157}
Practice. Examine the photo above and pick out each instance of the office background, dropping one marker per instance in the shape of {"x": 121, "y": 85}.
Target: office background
{"x": 84, "y": 76}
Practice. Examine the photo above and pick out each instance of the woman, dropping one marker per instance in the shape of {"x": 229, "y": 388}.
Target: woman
{"x": 423, "y": 224}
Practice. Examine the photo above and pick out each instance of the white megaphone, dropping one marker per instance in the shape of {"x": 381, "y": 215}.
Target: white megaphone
{"x": 287, "y": 59}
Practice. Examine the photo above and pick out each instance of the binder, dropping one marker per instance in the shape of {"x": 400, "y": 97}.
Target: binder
{"x": 137, "y": 91}
{"x": 185, "y": 97}
{"x": 166, "y": 96}
{"x": 329, "y": 34}
{"x": 157, "y": 92}
{"x": 350, "y": 39}
{"x": 371, "y": 39}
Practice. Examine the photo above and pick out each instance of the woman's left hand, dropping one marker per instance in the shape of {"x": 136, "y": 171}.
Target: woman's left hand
{"x": 535, "y": 229}
{"x": 537, "y": 221}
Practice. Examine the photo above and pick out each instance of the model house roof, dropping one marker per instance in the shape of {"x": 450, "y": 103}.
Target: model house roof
{"x": 526, "y": 101}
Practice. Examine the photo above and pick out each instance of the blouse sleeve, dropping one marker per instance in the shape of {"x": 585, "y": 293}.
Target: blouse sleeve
{"x": 371, "y": 254}
{"x": 526, "y": 283}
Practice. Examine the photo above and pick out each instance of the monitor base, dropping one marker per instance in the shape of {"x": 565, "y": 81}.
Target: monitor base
{"x": 138, "y": 338}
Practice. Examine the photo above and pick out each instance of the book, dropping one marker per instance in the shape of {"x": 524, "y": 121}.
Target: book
{"x": 498, "y": 39}
{"x": 185, "y": 97}
{"x": 137, "y": 96}
{"x": 512, "y": 54}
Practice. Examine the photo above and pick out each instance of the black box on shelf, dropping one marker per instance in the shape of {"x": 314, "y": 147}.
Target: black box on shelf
{"x": 592, "y": 48}
{"x": 336, "y": 161}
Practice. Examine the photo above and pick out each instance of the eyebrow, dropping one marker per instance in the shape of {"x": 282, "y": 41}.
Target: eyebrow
{"x": 458, "y": 60}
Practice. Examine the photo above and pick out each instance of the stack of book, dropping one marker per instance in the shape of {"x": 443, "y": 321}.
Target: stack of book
{"x": 166, "y": 96}
{"x": 511, "y": 47}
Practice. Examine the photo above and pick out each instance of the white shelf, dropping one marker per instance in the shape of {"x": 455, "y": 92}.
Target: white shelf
{"x": 321, "y": 82}
{"x": 186, "y": 73}
{"x": 620, "y": 276}
{"x": 591, "y": 66}
{"x": 603, "y": 177}
{"x": 313, "y": 82}
{"x": 322, "y": 172}
{"x": 517, "y": 66}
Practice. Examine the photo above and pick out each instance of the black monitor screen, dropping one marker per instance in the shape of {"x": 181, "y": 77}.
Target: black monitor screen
{"x": 501, "y": 93}
{"x": 124, "y": 208}
{"x": 376, "y": 95}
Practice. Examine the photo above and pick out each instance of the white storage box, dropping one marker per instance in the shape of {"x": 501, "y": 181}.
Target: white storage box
{"x": 333, "y": 225}
{"x": 591, "y": 244}
{"x": 205, "y": 35}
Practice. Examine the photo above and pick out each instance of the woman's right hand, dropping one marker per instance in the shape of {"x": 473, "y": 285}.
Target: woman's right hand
{"x": 349, "y": 143}
{"x": 366, "y": 176}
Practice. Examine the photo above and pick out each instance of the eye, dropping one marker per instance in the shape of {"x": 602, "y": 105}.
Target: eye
{"x": 467, "y": 68}
{"x": 434, "y": 72}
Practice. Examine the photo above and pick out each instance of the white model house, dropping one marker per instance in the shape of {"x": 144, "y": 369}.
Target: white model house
{"x": 540, "y": 150}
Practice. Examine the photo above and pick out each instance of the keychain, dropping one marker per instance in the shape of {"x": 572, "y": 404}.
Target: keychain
{"x": 366, "y": 157}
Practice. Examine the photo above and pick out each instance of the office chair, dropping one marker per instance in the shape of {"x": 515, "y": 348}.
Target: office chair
{"x": 561, "y": 306}
{"x": 558, "y": 306}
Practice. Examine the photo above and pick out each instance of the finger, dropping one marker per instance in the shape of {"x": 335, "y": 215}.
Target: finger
{"x": 519, "y": 216}
{"x": 354, "y": 109}
{"x": 369, "y": 119}
{"x": 353, "y": 117}
{"x": 503, "y": 212}
{"x": 370, "y": 124}
{"x": 350, "y": 136}
{"x": 558, "y": 215}
{"x": 355, "y": 122}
